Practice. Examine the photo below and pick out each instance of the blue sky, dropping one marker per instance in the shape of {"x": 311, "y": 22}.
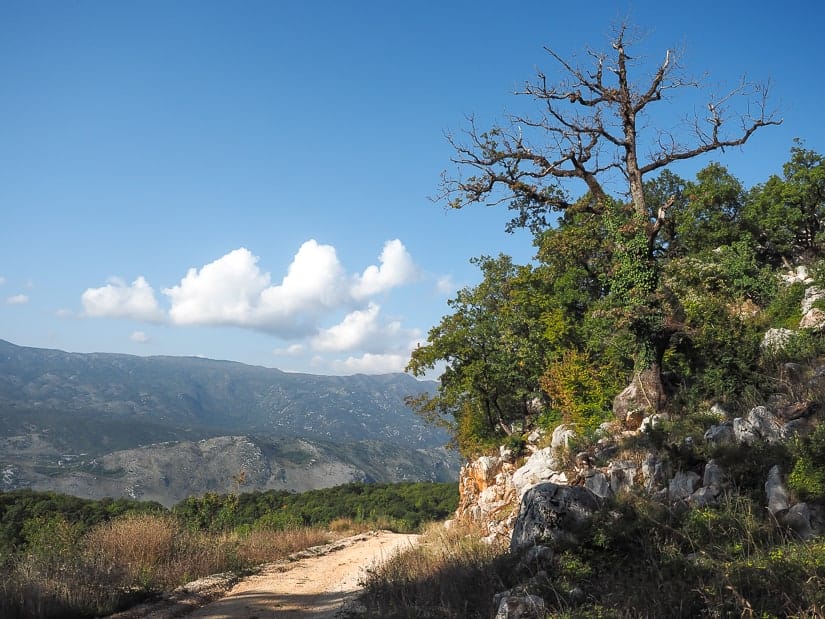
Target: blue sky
{"x": 250, "y": 180}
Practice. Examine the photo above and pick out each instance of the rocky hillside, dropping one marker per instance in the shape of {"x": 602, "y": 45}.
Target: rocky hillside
{"x": 163, "y": 428}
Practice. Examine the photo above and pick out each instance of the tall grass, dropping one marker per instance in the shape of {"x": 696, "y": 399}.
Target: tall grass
{"x": 65, "y": 574}
{"x": 451, "y": 573}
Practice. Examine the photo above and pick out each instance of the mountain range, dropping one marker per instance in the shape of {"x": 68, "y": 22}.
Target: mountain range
{"x": 163, "y": 428}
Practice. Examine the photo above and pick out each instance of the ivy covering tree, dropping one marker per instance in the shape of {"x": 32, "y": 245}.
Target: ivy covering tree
{"x": 609, "y": 310}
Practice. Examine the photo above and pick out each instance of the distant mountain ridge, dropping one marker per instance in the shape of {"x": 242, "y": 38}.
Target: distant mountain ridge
{"x": 55, "y": 406}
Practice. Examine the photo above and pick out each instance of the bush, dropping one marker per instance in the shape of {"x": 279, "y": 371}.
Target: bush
{"x": 807, "y": 477}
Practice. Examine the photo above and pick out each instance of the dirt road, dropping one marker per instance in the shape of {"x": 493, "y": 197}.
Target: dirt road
{"x": 313, "y": 587}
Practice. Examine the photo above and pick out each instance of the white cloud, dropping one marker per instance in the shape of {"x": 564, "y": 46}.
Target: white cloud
{"x": 233, "y": 290}
{"x": 445, "y": 285}
{"x": 117, "y": 300}
{"x": 370, "y": 363}
{"x": 139, "y": 337}
{"x": 397, "y": 268}
{"x": 290, "y": 351}
{"x": 221, "y": 292}
{"x": 362, "y": 330}
{"x": 64, "y": 313}
{"x": 2, "y": 280}
{"x": 18, "y": 299}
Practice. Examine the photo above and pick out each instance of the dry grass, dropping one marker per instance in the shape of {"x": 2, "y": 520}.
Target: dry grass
{"x": 262, "y": 546}
{"x": 452, "y": 573}
{"x": 127, "y": 559}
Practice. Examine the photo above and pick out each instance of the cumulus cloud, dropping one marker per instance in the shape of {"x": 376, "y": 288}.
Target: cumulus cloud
{"x": 139, "y": 337}
{"x": 362, "y": 330}
{"x": 18, "y": 299}
{"x": 396, "y": 268}
{"x": 233, "y": 290}
{"x": 117, "y": 300}
{"x": 370, "y": 363}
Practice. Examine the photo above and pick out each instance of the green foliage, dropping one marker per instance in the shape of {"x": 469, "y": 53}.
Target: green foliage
{"x": 581, "y": 389}
{"x": 807, "y": 477}
{"x": 407, "y": 505}
{"x": 24, "y": 512}
{"x": 709, "y": 215}
{"x": 785, "y": 310}
{"x": 494, "y": 353}
{"x": 786, "y": 213}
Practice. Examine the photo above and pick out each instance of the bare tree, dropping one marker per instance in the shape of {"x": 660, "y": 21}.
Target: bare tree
{"x": 592, "y": 127}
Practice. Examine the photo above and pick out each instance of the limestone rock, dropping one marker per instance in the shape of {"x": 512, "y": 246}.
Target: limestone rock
{"x": 539, "y": 467}
{"x": 550, "y": 513}
{"x": 487, "y": 497}
{"x": 714, "y": 475}
{"x": 598, "y": 484}
{"x": 765, "y": 423}
{"x": 653, "y": 422}
{"x": 622, "y": 475}
{"x": 775, "y": 339}
{"x": 562, "y": 436}
{"x": 630, "y": 405}
{"x": 798, "y": 518}
{"x": 744, "y": 432}
{"x": 520, "y": 607}
{"x": 814, "y": 318}
{"x": 654, "y": 472}
{"x": 812, "y": 295}
{"x": 776, "y": 492}
{"x": 705, "y": 497}
{"x": 683, "y": 484}
{"x": 722, "y": 434}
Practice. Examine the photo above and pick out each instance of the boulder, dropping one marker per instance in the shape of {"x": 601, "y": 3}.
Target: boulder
{"x": 776, "y": 492}
{"x": 653, "y": 422}
{"x": 539, "y": 467}
{"x": 622, "y": 475}
{"x": 538, "y": 555}
{"x": 798, "y": 518}
{"x": 562, "y": 436}
{"x": 520, "y": 607}
{"x": 597, "y": 483}
{"x": 554, "y": 514}
{"x": 631, "y": 404}
{"x": 714, "y": 475}
{"x": 654, "y": 472}
{"x": 814, "y": 318}
{"x": 722, "y": 434}
{"x": 744, "y": 432}
{"x": 765, "y": 424}
{"x": 797, "y": 275}
{"x": 775, "y": 340}
{"x": 794, "y": 428}
{"x": 812, "y": 295}
{"x": 705, "y": 497}
{"x": 683, "y": 484}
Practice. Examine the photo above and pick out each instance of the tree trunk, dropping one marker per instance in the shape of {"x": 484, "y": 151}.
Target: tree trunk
{"x": 645, "y": 395}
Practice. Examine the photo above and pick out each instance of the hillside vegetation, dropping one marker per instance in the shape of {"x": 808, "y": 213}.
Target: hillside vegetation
{"x": 61, "y": 556}
{"x": 661, "y": 319}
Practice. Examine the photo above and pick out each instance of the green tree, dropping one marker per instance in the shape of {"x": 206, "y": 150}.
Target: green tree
{"x": 492, "y": 346}
{"x": 593, "y": 127}
{"x": 786, "y": 214}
